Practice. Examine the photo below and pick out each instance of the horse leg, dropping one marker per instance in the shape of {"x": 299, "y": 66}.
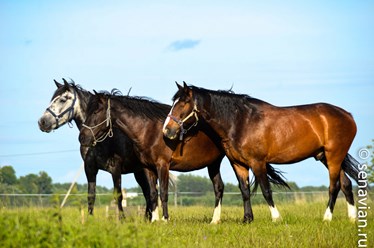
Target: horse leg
{"x": 143, "y": 182}
{"x": 117, "y": 191}
{"x": 91, "y": 179}
{"x": 151, "y": 178}
{"x": 334, "y": 166}
{"x": 261, "y": 177}
{"x": 163, "y": 175}
{"x": 346, "y": 186}
{"x": 334, "y": 195}
{"x": 218, "y": 186}
{"x": 242, "y": 174}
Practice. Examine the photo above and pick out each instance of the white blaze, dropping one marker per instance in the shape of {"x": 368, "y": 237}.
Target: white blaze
{"x": 168, "y": 118}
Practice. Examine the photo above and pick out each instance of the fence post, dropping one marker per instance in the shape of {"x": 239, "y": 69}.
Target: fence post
{"x": 72, "y": 184}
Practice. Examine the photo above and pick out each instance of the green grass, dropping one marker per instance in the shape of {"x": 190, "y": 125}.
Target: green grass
{"x": 302, "y": 226}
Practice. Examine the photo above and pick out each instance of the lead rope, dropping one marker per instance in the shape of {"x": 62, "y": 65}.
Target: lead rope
{"x": 108, "y": 122}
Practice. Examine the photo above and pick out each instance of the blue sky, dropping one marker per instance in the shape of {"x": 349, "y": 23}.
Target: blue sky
{"x": 283, "y": 52}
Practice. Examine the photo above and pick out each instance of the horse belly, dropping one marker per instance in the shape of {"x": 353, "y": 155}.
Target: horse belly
{"x": 197, "y": 153}
{"x": 295, "y": 142}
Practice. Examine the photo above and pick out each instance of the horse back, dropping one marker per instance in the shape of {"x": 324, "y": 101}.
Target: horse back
{"x": 291, "y": 134}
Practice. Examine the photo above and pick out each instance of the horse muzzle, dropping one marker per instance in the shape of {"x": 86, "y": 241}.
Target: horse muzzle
{"x": 45, "y": 125}
{"x": 170, "y": 133}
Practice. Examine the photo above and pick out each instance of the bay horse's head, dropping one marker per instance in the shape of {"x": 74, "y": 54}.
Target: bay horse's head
{"x": 62, "y": 108}
{"x": 98, "y": 124}
{"x": 183, "y": 114}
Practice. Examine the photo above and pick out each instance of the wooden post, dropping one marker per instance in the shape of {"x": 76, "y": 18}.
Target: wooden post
{"x": 72, "y": 184}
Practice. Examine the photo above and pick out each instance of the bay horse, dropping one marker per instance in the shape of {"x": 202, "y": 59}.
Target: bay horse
{"x": 141, "y": 119}
{"x": 114, "y": 155}
{"x": 254, "y": 133}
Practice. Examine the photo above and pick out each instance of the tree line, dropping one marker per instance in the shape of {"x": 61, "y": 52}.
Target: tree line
{"x": 40, "y": 183}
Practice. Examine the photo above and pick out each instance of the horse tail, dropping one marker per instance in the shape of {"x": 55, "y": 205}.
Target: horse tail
{"x": 350, "y": 167}
{"x": 274, "y": 176}
{"x": 173, "y": 179}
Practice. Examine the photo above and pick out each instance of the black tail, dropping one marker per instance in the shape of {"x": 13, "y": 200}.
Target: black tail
{"x": 274, "y": 176}
{"x": 350, "y": 167}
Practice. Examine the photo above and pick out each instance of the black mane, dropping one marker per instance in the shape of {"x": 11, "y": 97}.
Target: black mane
{"x": 144, "y": 106}
{"x": 223, "y": 102}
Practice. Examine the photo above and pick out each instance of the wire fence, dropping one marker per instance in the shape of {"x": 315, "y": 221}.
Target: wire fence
{"x": 175, "y": 198}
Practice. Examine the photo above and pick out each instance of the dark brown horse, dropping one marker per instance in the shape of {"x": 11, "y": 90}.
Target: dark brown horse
{"x": 254, "y": 133}
{"x": 141, "y": 119}
{"x": 114, "y": 155}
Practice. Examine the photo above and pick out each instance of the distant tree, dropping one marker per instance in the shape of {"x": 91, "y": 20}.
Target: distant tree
{"x": 293, "y": 186}
{"x": 61, "y": 187}
{"x": 8, "y": 175}
{"x": 192, "y": 183}
{"x": 36, "y": 184}
{"x": 44, "y": 183}
{"x": 28, "y": 184}
{"x": 229, "y": 187}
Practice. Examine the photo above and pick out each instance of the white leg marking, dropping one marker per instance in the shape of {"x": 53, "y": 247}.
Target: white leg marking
{"x": 164, "y": 220}
{"x": 216, "y": 214}
{"x": 352, "y": 212}
{"x": 275, "y": 215}
{"x": 328, "y": 215}
{"x": 155, "y": 216}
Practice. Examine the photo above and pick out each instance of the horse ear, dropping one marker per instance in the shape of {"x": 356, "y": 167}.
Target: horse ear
{"x": 57, "y": 84}
{"x": 178, "y": 85}
{"x": 187, "y": 89}
{"x": 95, "y": 92}
{"x": 65, "y": 82}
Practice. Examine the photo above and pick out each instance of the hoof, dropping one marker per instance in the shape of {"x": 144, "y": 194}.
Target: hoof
{"x": 278, "y": 219}
{"x": 328, "y": 215}
{"x": 353, "y": 220}
{"x": 215, "y": 222}
{"x": 165, "y": 219}
{"x": 247, "y": 220}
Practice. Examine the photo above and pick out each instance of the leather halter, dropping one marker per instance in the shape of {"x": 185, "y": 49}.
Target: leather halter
{"x": 69, "y": 111}
{"x": 181, "y": 122}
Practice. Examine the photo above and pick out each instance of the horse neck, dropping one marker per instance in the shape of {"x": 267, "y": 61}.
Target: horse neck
{"x": 135, "y": 126}
{"x": 80, "y": 115}
{"x": 213, "y": 118}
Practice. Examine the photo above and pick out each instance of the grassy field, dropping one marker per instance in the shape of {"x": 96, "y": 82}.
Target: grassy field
{"x": 301, "y": 226}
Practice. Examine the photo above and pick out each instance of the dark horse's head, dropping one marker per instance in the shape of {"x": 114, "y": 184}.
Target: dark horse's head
{"x": 183, "y": 114}
{"x": 98, "y": 124}
{"x": 62, "y": 109}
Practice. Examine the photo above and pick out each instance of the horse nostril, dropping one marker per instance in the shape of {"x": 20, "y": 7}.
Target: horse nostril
{"x": 41, "y": 122}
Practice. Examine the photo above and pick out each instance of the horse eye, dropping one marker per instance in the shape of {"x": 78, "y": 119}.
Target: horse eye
{"x": 63, "y": 99}
{"x": 97, "y": 110}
